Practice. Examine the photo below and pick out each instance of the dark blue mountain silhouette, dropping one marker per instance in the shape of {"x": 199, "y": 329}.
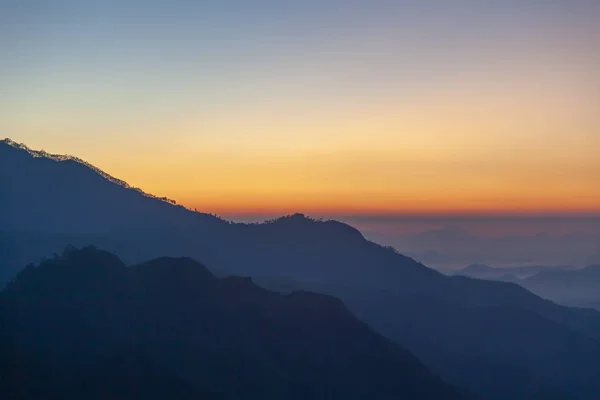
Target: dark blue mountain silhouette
{"x": 47, "y": 203}
{"x": 83, "y": 325}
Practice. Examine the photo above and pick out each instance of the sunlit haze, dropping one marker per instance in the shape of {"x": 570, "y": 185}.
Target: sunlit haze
{"x": 329, "y": 108}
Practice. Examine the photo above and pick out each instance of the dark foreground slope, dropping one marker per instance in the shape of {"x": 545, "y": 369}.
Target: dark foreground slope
{"x": 83, "y": 325}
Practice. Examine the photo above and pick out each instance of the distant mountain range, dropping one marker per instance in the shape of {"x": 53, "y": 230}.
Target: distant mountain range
{"x": 84, "y": 326}
{"x": 575, "y": 287}
{"x": 449, "y": 248}
{"x": 564, "y": 284}
{"x": 515, "y": 274}
{"x": 496, "y": 339}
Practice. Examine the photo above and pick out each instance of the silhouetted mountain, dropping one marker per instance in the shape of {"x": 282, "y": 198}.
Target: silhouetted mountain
{"x": 83, "y": 325}
{"x": 498, "y": 352}
{"x": 49, "y": 203}
{"x": 44, "y": 197}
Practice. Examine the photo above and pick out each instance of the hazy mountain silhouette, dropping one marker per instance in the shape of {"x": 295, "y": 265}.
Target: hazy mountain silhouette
{"x": 576, "y": 287}
{"x": 496, "y": 351}
{"x": 83, "y": 325}
{"x": 564, "y": 284}
{"x": 452, "y": 247}
{"x": 45, "y": 197}
{"x": 48, "y": 203}
{"x": 484, "y": 271}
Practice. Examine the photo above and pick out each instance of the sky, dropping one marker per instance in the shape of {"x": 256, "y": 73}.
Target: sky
{"x": 325, "y": 107}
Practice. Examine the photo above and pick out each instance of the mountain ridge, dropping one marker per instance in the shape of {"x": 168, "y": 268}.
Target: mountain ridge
{"x": 221, "y": 336}
{"x": 65, "y": 157}
{"x": 52, "y": 205}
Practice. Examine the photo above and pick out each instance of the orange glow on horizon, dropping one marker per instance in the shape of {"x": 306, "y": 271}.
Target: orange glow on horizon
{"x": 416, "y": 208}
